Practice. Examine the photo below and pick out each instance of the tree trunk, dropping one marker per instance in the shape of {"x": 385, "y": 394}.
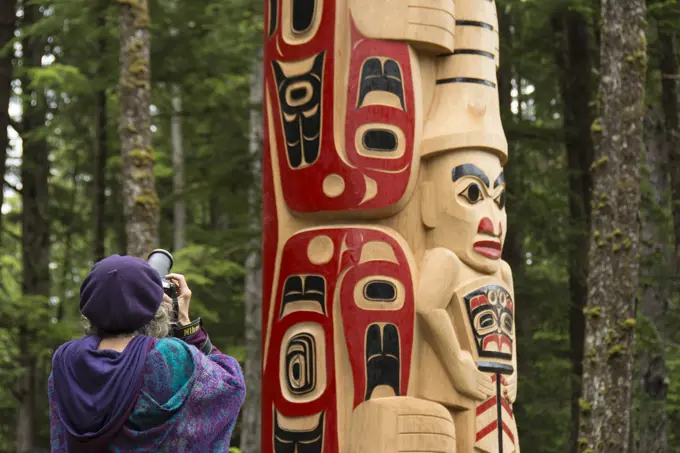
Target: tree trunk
{"x": 662, "y": 148}
{"x": 608, "y": 366}
{"x": 572, "y": 56}
{"x": 669, "y": 101}
{"x": 7, "y": 26}
{"x": 140, "y": 202}
{"x": 653, "y": 376}
{"x": 101, "y": 147}
{"x": 180, "y": 210}
{"x": 250, "y": 431}
{"x": 35, "y": 244}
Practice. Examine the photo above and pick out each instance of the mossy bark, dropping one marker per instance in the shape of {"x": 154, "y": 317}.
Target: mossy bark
{"x": 652, "y": 383}
{"x": 250, "y": 429}
{"x": 669, "y": 100}
{"x": 140, "y": 201}
{"x": 613, "y": 266}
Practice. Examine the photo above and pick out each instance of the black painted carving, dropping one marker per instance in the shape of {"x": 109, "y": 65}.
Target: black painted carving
{"x": 273, "y": 16}
{"x": 304, "y": 288}
{"x": 379, "y": 76}
{"x": 382, "y": 358}
{"x": 466, "y": 80}
{"x": 301, "y": 364}
{"x": 380, "y": 291}
{"x": 380, "y": 140}
{"x": 493, "y": 367}
{"x": 492, "y": 321}
{"x": 480, "y": 53}
{"x": 302, "y": 119}
{"x": 469, "y": 170}
{"x": 286, "y": 441}
{"x": 303, "y": 15}
{"x": 500, "y": 180}
{"x": 474, "y": 23}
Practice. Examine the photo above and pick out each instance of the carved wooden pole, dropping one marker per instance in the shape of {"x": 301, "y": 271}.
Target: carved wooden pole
{"x": 388, "y": 316}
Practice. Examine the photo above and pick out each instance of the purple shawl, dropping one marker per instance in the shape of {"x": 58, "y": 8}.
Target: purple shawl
{"x": 98, "y": 388}
{"x": 199, "y": 418}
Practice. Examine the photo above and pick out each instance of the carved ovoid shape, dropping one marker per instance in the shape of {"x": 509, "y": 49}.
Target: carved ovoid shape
{"x": 373, "y": 165}
{"x": 301, "y": 364}
{"x": 303, "y": 15}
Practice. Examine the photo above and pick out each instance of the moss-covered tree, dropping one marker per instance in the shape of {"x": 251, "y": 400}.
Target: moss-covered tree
{"x": 607, "y": 401}
{"x": 140, "y": 200}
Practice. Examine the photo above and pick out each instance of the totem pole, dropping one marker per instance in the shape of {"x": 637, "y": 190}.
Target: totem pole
{"x": 388, "y": 314}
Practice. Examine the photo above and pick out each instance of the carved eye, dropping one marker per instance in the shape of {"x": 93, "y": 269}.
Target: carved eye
{"x": 506, "y": 323}
{"x": 501, "y": 199}
{"x": 493, "y": 297}
{"x": 473, "y": 193}
{"x": 485, "y": 322}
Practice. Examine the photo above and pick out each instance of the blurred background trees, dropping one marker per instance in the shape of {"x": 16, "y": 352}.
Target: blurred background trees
{"x": 64, "y": 103}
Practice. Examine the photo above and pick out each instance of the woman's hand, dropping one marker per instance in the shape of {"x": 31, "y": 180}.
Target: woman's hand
{"x": 183, "y": 297}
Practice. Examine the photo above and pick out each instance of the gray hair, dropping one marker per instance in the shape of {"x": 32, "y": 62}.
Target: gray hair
{"x": 158, "y": 327}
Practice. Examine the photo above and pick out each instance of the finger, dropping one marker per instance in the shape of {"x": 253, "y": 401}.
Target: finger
{"x": 181, "y": 281}
{"x": 167, "y": 298}
{"x": 488, "y": 387}
{"x": 480, "y": 395}
{"x": 484, "y": 390}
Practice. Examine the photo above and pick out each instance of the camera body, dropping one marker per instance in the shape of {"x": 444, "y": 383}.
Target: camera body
{"x": 162, "y": 261}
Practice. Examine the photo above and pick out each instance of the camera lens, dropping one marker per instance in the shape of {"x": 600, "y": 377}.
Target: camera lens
{"x": 161, "y": 260}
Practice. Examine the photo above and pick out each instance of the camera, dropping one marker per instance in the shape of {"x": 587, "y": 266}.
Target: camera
{"x": 161, "y": 260}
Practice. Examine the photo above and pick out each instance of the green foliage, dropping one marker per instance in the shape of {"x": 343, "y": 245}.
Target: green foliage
{"x": 209, "y": 58}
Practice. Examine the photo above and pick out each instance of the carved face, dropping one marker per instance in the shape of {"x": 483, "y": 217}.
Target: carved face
{"x": 466, "y": 205}
{"x": 491, "y": 312}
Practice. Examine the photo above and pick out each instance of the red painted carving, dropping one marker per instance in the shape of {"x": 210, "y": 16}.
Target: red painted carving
{"x": 490, "y": 430}
{"x": 368, "y": 182}
{"x": 312, "y": 143}
{"x": 356, "y": 319}
{"x": 342, "y": 263}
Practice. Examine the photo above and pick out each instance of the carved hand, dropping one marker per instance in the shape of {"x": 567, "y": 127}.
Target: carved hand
{"x": 473, "y": 383}
{"x": 510, "y": 388}
{"x": 387, "y": 425}
{"x": 427, "y": 24}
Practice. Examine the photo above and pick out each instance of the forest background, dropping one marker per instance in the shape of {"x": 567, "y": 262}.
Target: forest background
{"x": 62, "y": 66}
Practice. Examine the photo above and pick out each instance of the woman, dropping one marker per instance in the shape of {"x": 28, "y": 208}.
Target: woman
{"x": 126, "y": 386}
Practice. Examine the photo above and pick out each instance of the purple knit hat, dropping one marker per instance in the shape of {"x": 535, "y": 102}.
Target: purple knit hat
{"x": 121, "y": 294}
